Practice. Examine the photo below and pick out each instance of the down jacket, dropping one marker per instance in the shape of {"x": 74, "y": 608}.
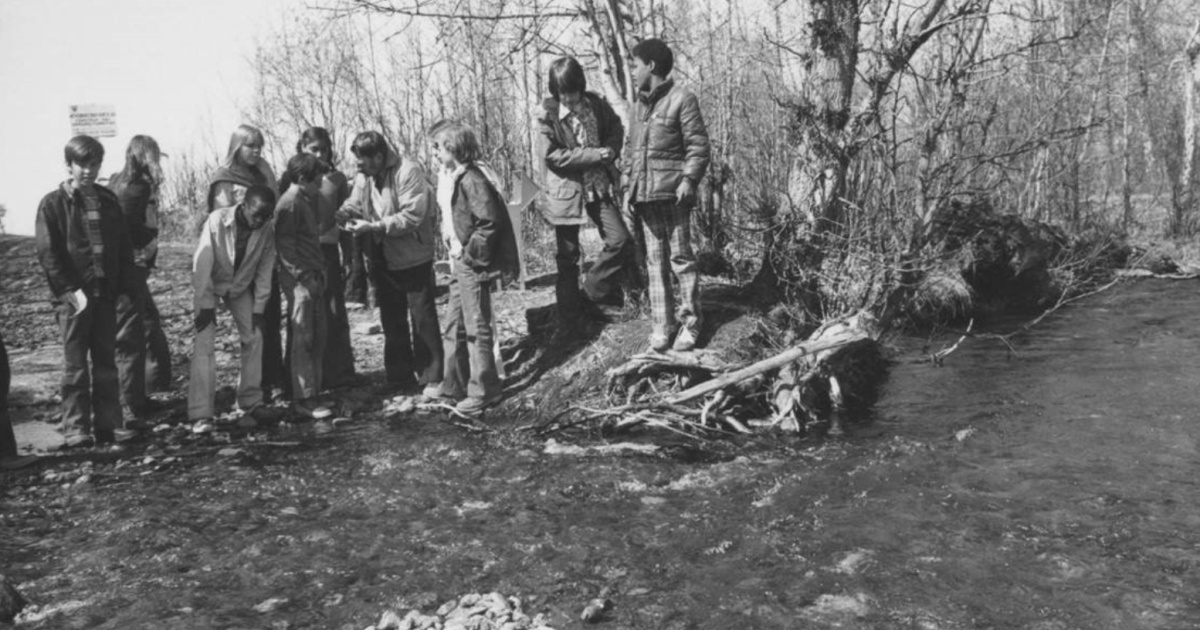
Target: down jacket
{"x": 566, "y": 161}
{"x": 668, "y": 141}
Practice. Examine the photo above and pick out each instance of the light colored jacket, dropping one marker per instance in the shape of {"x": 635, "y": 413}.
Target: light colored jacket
{"x": 406, "y": 210}
{"x": 567, "y": 160}
{"x": 213, "y": 275}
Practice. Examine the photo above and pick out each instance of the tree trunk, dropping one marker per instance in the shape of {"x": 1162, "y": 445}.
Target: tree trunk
{"x": 1185, "y": 209}
{"x": 818, "y": 176}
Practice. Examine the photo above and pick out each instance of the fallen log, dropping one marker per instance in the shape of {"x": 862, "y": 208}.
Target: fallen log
{"x": 766, "y": 365}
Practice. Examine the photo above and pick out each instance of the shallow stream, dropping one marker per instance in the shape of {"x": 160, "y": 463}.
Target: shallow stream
{"x": 1051, "y": 488}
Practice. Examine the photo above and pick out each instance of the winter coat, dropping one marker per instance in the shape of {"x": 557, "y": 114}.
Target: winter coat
{"x": 668, "y": 141}
{"x": 566, "y": 161}
{"x": 406, "y": 210}
{"x": 482, "y": 226}
{"x": 65, "y": 252}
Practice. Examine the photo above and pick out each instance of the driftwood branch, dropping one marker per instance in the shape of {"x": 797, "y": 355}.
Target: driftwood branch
{"x": 766, "y": 365}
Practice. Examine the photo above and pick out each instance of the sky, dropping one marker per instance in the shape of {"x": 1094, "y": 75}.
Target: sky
{"x": 176, "y": 70}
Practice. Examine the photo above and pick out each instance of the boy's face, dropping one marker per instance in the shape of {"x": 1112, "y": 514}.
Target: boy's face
{"x": 258, "y": 213}
{"x": 641, "y": 73}
{"x": 571, "y": 100}
{"x": 83, "y": 174}
{"x": 370, "y": 165}
{"x": 319, "y": 149}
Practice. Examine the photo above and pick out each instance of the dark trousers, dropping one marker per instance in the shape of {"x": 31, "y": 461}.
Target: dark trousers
{"x": 411, "y": 356}
{"x": 469, "y": 338}
{"x": 276, "y": 374}
{"x": 8, "y": 441}
{"x": 339, "y": 355}
{"x": 143, "y": 355}
{"x": 131, "y": 346}
{"x": 91, "y": 398}
{"x": 610, "y": 269}
{"x": 354, "y": 265}
{"x": 158, "y": 351}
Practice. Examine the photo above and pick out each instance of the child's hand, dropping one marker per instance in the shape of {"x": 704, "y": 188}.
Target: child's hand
{"x": 685, "y": 195}
{"x": 77, "y": 299}
{"x": 359, "y": 226}
{"x": 205, "y": 318}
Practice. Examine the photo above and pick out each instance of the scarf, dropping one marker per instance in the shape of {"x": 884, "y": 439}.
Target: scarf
{"x": 237, "y": 174}
{"x": 91, "y": 213}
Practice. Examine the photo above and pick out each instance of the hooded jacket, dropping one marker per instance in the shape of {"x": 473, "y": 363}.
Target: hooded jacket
{"x": 406, "y": 209}
{"x": 668, "y": 141}
{"x": 566, "y": 161}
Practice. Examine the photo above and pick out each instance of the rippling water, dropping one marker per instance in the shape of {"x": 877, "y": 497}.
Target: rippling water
{"x": 1050, "y": 489}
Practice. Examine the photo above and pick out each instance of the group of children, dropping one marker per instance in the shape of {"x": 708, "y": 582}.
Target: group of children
{"x": 264, "y": 239}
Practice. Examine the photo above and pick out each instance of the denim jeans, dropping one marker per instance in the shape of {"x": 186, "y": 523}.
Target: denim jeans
{"x": 131, "y": 346}
{"x": 468, "y": 337}
{"x": 306, "y": 333}
{"x": 91, "y": 397}
{"x": 158, "y": 351}
{"x": 610, "y": 270}
{"x": 411, "y": 356}
{"x": 338, "y": 363}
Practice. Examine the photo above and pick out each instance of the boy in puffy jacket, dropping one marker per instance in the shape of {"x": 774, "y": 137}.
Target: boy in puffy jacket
{"x": 667, "y": 157}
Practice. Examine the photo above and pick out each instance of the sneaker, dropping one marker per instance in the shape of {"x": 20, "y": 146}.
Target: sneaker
{"x": 124, "y": 435}
{"x": 202, "y": 426}
{"x": 472, "y": 406}
{"x": 685, "y": 340}
{"x": 659, "y": 341}
{"x": 312, "y": 410}
{"x": 433, "y": 391}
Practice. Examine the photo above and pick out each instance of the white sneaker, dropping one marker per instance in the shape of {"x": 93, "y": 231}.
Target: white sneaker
{"x": 659, "y": 341}
{"x": 204, "y": 425}
{"x": 685, "y": 340}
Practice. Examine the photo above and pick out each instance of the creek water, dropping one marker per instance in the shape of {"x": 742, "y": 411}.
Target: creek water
{"x": 1049, "y": 488}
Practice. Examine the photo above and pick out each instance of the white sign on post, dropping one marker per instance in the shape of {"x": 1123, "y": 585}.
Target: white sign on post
{"x": 95, "y": 120}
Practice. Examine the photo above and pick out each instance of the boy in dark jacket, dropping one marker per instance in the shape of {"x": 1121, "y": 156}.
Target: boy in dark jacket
{"x": 482, "y": 248}
{"x": 668, "y": 154}
{"x": 583, "y": 141}
{"x": 85, "y": 251}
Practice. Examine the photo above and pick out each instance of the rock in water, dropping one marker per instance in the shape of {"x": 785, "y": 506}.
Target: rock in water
{"x": 11, "y": 600}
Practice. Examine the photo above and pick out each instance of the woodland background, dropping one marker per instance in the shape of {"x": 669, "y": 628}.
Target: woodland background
{"x": 839, "y": 127}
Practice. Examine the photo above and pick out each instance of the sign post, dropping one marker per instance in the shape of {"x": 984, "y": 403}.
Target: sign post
{"x": 94, "y": 119}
